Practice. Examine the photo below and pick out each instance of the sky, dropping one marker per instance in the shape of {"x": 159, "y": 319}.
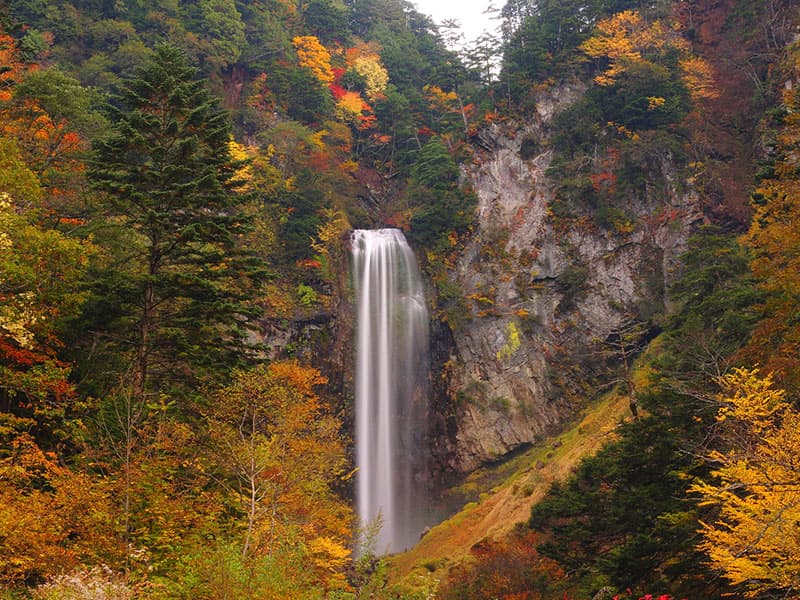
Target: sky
{"x": 468, "y": 12}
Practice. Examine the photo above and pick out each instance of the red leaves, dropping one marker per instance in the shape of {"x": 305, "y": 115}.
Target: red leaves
{"x": 629, "y": 594}
{"x": 603, "y": 181}
{"x": 309, "y": 263}
{"x": 337, "y": 91}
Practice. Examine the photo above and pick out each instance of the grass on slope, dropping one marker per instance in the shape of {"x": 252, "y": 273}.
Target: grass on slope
{"x": 501, "y": 508}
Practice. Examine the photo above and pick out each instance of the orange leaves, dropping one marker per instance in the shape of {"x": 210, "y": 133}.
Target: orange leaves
{"x": 626, "y": 38}
{"x": 361, "y": 49}
{"x": 440, "y": 100}
{"x": 615, "y": 39}
{"x": 603, "y": 181}
{"x": 313, "y": 55}
{"x": 260, "y": 97}
{"x": 12, "y": 67}
{"x": 352, "y": 109}
{"x": 303, "y": 379}
{"x": 283, "y": 450}
{"x": 45, "y": 138}
{"x": 364, "y": 59}
{"x": 698, "y": 76}
{"x": 50, "y": 518}
{"x": 349, "y": 105}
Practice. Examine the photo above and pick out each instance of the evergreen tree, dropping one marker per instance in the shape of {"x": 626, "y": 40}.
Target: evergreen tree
{"x": 441, "y": 205}
{"x": 174, "y": 295}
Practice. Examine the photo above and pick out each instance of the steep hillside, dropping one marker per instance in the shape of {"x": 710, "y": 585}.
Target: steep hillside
{"x": 709, "y": 304}
{"x": 549, "y": 300}
{"x": 505, "y": 493}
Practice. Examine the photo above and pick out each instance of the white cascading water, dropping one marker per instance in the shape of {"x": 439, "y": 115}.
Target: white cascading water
{"x": 391, "y": 389}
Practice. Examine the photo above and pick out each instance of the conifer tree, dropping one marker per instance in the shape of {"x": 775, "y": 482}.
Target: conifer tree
{"x": 173, "y": 296}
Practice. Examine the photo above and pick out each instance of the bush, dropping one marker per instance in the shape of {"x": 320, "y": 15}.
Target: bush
{"x": 98, "y": 583}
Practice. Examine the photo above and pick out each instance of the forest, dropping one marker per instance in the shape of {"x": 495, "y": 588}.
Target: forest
{"x": 178, "y": 181}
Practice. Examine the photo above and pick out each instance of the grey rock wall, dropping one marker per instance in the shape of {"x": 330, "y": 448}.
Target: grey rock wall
{"x": 543, "y": 298}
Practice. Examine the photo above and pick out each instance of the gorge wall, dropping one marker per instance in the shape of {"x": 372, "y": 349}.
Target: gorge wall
{"x": 545, "y": 299}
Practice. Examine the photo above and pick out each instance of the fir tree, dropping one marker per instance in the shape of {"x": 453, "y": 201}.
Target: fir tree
{"x": 174, "y": 294}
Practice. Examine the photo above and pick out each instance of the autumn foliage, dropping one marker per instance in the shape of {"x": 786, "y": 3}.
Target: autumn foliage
{"x": 313, "y": 55}
{"x": 166, "y": 281}
{"x": 284, "y": 454}
{"x": 773, "y": 237}
{"x": 756, "y": 485}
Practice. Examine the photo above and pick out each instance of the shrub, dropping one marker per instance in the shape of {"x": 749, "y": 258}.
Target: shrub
{"x": 97, "y": 583}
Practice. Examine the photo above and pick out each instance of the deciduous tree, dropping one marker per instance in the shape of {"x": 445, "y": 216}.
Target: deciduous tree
{"x": 283, "y": 454}
{"x": 313, "y": 55}
{"x": 775, "y": 242}
{"x": 756, "y": 484}
{"x": 39, "y": 273}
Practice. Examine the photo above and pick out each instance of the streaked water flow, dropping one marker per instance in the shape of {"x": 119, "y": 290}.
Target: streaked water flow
{"x": 391, "y": 388}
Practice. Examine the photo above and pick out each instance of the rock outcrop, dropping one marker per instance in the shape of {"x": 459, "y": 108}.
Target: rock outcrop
{"x": 544, "y": 297}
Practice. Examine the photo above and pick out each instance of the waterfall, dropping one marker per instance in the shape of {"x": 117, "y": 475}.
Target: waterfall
{"x": 391, "y": 388}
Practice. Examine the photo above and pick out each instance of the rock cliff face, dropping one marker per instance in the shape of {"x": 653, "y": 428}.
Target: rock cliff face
{"x": 546, "y": 300}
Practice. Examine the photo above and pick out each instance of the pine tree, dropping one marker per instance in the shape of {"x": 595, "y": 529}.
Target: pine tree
{"x": 173, "y": 295}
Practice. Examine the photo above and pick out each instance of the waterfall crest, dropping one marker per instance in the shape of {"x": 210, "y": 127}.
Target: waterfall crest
{"x": 391, "y": 388}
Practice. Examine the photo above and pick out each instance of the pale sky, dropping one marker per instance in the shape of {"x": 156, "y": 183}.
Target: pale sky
{"x": 468, "y": 12}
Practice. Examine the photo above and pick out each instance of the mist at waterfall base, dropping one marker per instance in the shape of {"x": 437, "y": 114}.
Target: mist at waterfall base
{"x": 391, "y": 404}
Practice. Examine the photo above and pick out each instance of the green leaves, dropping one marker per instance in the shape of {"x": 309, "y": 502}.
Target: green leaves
{"x": 169, "y": 177}
{"x": 441, "y": 205}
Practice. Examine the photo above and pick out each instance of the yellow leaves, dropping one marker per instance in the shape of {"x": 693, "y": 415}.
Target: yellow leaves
{"x": 350, "y": 107}
{"x": 615, "y": 40}
{"x": 513, "y": 342}
{"x": 17, "y": 316}
{"x": 654, "y": 102}
{"x": 756, "y": 484}
{"x": 301, "y": 378}
{"x": 774, "y": 239}
{"x": 17, "y": 181}
{"x": 238, "y": 151}
{"x": 624, "y": 131}
{"x": 313, "y": 55}
{"x": 626, "y": 38}
{"x": 38, "y": 269}
{"x": 375, "y": 75}
{"x": 698, "y": 77}
{"x": 244, "y": 174}
{"x": 751, "y": 399}
{"x": 438, "y": 99}
{"x": 331, "y": 557}
{"x": 364, "y": 58}
{"x": 328, "y": 241}
{"x": 275, "y": 438}
{"x": 349, "y": 166}
{"x": 317, "y": 139}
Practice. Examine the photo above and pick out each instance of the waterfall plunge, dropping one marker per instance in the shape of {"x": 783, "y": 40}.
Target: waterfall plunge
{"x": 391, "y": 388}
